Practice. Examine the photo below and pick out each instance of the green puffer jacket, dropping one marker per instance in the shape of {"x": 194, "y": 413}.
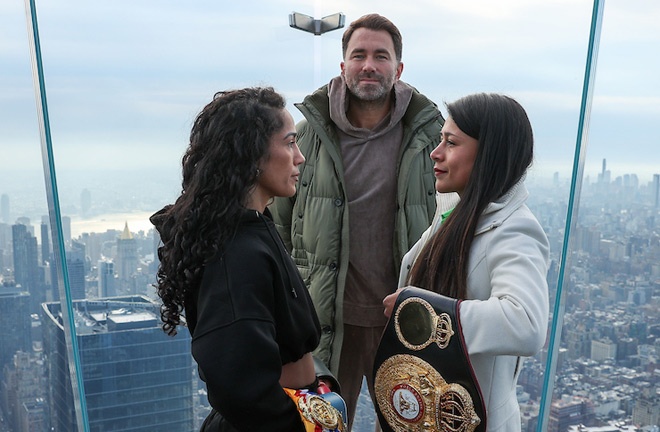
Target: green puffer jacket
{"x": 314, "y": 223}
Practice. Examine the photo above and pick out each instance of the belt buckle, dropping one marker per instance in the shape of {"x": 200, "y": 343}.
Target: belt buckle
{"x": 413, "y": 396}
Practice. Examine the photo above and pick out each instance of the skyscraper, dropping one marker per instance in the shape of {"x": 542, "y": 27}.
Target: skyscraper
{"x": 14, "y": 322}
{"x": 25, "y": 254}
{"x": 66, "y": 229}
{"x": 45, "y": 242}
{"x": 647, "y": 408}
{"x": 5, "y": 245}
{"x": 156, "y": 244}
{"x": 23, "y": 392}
{"x": 127, "y": 258}
{"x": 27, "y": 272}
{"x": 106, "y": 277}
{"x": 570, "y": 411}
{"x": 605, "y": 175}
{"x": 4, "y": 208}
{"x": 656, "y": 190}
{"x": 136, "y": 378}
{"x": 76, "y": 270}
{"x": 75, "y": 263}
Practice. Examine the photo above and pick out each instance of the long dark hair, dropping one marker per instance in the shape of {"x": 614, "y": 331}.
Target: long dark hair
{"x": 228, "y": 140}
{"x": 504, "y": 153}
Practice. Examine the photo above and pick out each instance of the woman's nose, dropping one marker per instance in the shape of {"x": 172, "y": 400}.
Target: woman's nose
{"x": 298, "y": 157}
{"x": 437, "y": 152}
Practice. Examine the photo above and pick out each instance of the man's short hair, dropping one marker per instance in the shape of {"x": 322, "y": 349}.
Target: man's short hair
{"x": 374, "y": 22}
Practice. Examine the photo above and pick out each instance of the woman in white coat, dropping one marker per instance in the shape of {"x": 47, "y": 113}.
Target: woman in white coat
{"x": 489, "y": 251}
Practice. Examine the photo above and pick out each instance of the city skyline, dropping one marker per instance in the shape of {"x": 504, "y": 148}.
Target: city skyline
{"x": 101, "y": 217}
{"x": 125, "y": 81}
{"x": 610, "y": 344}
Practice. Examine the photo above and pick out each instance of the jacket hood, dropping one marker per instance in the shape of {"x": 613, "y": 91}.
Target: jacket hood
{"x": 339, "y": 101}
{"x": 316, "y": 109}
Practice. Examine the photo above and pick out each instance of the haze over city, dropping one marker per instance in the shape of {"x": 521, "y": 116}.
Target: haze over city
{"x": 124, "y": 81}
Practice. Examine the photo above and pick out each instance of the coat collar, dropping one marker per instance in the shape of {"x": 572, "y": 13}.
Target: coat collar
{"x": 499, "y": 210}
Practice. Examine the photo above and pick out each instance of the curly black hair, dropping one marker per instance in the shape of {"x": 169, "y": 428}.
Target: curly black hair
{"x": 229, "y": 138}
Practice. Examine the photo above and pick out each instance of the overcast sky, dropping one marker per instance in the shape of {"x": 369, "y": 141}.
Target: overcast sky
{"x": 124, "y": 79}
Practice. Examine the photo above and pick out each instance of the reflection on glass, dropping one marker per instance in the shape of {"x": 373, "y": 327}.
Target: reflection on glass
{"x": 608, "y": 351}
{"x": 557, "y": 317}
{"x": 136, "y": 378}
{"x": 121, "y": 103}
{"x": 24, "y": 279}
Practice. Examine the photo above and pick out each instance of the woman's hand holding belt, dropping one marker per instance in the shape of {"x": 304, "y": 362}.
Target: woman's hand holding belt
{"x": 389, "y": 302}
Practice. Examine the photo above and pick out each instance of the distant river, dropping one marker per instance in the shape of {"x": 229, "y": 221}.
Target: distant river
{"x": 137, "y": 221}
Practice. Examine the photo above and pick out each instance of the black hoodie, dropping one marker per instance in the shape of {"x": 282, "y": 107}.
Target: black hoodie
{"x": 253, "y": 315}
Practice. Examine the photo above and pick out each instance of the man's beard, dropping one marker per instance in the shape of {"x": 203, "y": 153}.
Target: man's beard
{"x": 370, "y": 92}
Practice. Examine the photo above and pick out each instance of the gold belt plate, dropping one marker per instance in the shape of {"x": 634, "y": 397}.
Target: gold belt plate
{"x": 414, "y": 397}
{"x": 320, "y": 411}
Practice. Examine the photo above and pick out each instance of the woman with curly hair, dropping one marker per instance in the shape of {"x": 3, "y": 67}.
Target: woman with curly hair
{"x": 489, "y": 255}
{"x": 224, "y": 271}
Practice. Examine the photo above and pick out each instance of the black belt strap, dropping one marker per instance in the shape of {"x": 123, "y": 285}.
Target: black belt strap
{"x": 423, "y": 378}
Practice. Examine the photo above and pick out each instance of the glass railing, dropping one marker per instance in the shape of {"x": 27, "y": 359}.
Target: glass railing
{"x": 606, "y": 358}
{"x": 120, "y": 85}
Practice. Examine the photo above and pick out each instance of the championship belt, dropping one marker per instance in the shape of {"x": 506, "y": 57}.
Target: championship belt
{"x": 320, "y": 412}
{"x": 423, "y": 379}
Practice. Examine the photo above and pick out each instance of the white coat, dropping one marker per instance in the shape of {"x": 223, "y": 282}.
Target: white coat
{"x": 505, "y": 315}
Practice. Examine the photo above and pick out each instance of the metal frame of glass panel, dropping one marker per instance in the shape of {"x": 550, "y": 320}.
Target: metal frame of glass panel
{"x": 55, "y": 217}
{"x": 571, "y": 216}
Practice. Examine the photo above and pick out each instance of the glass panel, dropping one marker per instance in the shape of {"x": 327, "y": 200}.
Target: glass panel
{"x": 24, "y": 255}
{"x": 124, "y": 83}
{"x": 608, "y": 345}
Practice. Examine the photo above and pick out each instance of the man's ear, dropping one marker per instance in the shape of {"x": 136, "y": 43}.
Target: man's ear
{"x": 399, "y": 70}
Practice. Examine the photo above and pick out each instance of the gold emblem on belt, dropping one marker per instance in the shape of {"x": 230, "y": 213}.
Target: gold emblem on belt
{"x": 414, "y": 397}
{"x": 417, "y": 325}
{"x": 320, "y": 411}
